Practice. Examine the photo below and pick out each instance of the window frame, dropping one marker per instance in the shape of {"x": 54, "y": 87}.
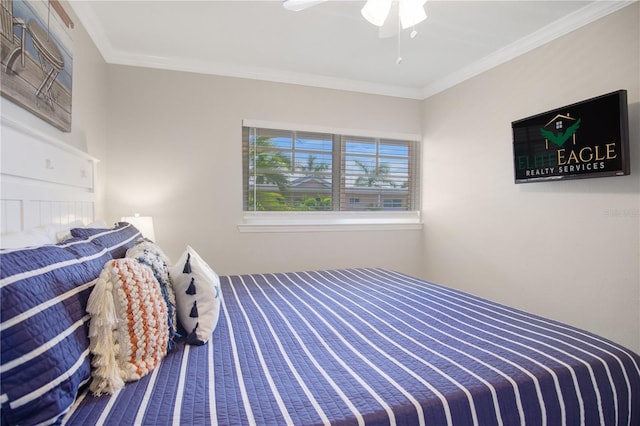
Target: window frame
{"x": 311, "y": 221}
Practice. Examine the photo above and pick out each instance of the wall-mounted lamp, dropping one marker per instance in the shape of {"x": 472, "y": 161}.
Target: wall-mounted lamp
{"x": 143, "y": 223}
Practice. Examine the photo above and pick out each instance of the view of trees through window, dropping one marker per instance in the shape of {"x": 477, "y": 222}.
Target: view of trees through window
{"x": 287, "y": 170}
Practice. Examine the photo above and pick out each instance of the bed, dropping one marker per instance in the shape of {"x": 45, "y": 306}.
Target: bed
{"x": 360, "y": 346}
{"x": 372, "y": 346}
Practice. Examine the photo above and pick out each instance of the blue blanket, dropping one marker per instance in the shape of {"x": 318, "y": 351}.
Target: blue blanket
{"x": 375, "y": 347}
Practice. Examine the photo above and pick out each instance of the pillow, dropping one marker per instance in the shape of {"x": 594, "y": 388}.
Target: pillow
{"x": 117, "y": 239}
{"x": 24, "y": 239}
{"x": 40, "y": 235}
{"x": 64, "y": 231}
{"x": 44, "y": 344}
{"x": 97, "y": 224}
{"x": 128, "y": 331}
{"x": 150, "y": 254}
{"x": 198, "y": 296}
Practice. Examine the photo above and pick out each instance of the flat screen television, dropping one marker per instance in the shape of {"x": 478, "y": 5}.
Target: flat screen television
{"x": 584, "y": 140}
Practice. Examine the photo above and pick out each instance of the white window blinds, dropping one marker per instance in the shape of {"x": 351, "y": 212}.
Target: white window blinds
{"x": 289, "y": 170}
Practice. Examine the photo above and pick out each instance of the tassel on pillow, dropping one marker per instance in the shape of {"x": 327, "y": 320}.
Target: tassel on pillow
{"x": 187, "y": 265}
{"x": 192, "y": 338}
{"x": 101, "y": 307}
{"x": 192, "y": 287}
{"x": 194, "y": 310}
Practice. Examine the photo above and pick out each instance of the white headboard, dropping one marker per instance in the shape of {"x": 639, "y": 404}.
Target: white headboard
{"x": 42, "y": 180}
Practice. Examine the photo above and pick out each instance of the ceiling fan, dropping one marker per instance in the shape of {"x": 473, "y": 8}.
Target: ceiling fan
{"x": 298, "y": 5}
{"x": 377, "y": 12}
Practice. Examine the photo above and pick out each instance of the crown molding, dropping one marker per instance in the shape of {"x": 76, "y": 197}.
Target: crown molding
{"x": 557, "y": 29}
{"x": 577, "y": 19}
{"x": 264, "y": 74}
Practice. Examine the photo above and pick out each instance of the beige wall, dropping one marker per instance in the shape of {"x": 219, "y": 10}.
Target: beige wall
{"x": 557, "y": 249}
{"x": 175, "y": 153}
{"x": 90, "y": 114}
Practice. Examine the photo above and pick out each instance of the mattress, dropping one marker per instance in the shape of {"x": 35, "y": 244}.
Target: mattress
{"x": 372, "y": 346}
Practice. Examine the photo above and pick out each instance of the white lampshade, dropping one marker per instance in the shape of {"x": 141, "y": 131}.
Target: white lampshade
{"x": 411, "y": 12}
{"x": 376, "y": 11}
{"x": 298, "y": 5}
{"x": 144, "y": 225}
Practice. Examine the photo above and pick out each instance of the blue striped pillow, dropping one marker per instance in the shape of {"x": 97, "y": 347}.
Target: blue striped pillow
{"x": 117, "y": 239}
{"x": 43, "y": 327}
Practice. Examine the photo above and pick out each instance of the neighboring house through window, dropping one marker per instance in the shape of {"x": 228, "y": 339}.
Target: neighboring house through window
{"x": 288, "y": 170}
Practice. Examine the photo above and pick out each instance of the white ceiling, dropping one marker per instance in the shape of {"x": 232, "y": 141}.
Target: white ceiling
{"x": 329, "y": 45}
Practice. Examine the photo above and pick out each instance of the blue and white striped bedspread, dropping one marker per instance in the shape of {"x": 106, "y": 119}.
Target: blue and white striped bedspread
{"x": 371, "y": 346}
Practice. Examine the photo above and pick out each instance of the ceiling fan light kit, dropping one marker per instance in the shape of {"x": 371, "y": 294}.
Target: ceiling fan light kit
{"x": 376, "y": 11}
{"x": 298, "y": 5}
{"x": 408, "y": 12}
{"x": 411, "y": 12}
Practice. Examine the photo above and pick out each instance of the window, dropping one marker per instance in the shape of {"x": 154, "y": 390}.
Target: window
{"x": 393, "y": 203}
{"x": 374, "y": 170}
{"x": 312, "y": 171}
{"x": 287, "y": 171}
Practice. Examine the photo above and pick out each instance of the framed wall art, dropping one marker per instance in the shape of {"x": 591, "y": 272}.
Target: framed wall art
{"x": 37, "y": 58}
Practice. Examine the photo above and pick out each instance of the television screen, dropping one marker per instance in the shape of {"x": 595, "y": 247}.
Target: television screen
{"x": 583, "y": 140}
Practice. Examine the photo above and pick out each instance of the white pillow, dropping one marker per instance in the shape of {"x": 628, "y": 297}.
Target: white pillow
{"x": 31, "y": 238}
{"x": 44, "y": 234}
{"x": 198, "y": 296}
{"x": 64, "y": 232}
{"x": 97, "y": 224}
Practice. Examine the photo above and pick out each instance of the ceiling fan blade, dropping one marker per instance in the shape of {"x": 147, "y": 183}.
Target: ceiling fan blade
{"x": 298, "y": 5}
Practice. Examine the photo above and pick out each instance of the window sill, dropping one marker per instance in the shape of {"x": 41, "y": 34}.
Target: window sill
{"x": 330, "y": 221}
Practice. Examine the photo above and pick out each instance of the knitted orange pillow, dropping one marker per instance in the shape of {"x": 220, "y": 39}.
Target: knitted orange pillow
{"x": 128, "y": 330}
